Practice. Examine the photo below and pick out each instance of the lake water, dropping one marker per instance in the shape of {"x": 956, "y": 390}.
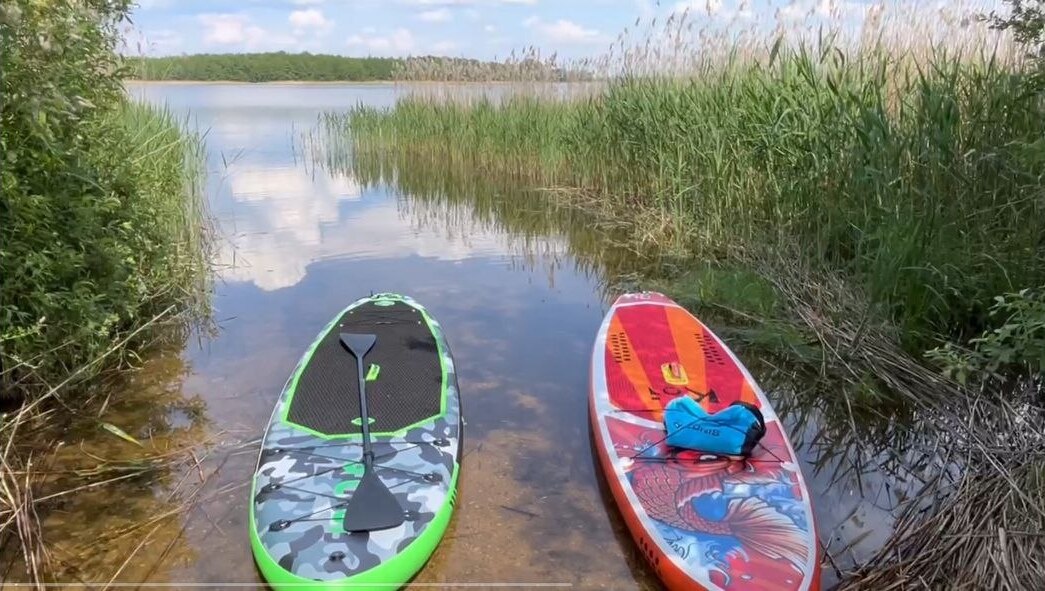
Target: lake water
{"x": 519, "y": 295}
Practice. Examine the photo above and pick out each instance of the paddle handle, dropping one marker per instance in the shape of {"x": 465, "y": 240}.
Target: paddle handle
{"x": 368, "y": 454}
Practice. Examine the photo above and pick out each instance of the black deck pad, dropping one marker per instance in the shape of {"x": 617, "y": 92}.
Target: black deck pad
{"x": 408, "y": 388}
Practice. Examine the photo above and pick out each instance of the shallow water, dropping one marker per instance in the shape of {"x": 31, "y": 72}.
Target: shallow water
{"x": 519, "y": 290}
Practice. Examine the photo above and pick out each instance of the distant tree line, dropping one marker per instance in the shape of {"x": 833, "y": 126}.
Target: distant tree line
{"x": 268, "y": 67}
{"x": 262, "y": 67}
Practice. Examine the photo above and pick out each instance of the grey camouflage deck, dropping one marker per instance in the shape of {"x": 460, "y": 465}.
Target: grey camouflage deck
{"x": 302, "y": 476}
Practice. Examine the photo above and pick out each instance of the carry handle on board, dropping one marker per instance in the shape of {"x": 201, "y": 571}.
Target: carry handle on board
{"x": 372, "y": 505}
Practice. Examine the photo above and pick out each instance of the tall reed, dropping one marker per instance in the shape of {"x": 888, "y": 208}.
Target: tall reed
{"x": 916, "y": 169}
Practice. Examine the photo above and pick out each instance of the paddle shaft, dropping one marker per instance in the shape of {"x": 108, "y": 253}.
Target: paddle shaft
{"x": 368, "y": 454}
{"x": 372, "y": 506}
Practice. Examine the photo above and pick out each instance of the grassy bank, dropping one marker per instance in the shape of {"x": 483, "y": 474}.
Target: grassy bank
{"x": 104, "y": 236}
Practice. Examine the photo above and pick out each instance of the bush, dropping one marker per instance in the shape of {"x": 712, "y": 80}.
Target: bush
{"x": 1026, "y": 21}
{"x": 97, "y": 234}
{"x": 1016, "y": 346}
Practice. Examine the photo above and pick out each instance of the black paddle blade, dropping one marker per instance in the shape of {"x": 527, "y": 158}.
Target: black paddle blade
{"x": 358, "y": 344}
{"x": 372, "y": 506}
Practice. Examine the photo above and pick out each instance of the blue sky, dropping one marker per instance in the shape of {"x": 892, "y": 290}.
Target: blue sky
{"x": 473, "y": 28}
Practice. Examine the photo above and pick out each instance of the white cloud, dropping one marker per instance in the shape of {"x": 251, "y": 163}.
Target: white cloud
{"x": 439, "y": 15}
{"x": 564, "y": 31}
{"x": 490, "y": 29}
{"x": 238, "y": 29}
{"x": 437, "y": 2}
{"x": 163, "y": 41}
{"x": 645, "y": 9}
{"x": 825, "y": 9}
{"x": 526, "y": 2}
{"x": 472, "y": 14}
{"x": 308, "y": 2}
{"x": 793, "y": 11}
{"x": 309, "y": 19}
{"x": 841, "y": 8}
{"x": 699, "y": 6}
{"x": 288, "y": 218}
{"x": 229, "y": 29}
{"x": 719, "y": 9}
{"x": 398, "y": 42}
{"x": 154, "y": 42}
{"x": 445, "y": 46}
{"x": 286, "y": 211}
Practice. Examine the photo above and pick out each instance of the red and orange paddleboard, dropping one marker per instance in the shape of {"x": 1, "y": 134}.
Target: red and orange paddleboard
{"x": 702, "y": 522}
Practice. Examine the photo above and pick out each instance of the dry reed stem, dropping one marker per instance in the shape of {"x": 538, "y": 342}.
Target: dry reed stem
{"x": 693, "y": 43}
{"x": 19, "y": 479}
{"x": 978, "y": 521}
{"x": 17, "y": 495}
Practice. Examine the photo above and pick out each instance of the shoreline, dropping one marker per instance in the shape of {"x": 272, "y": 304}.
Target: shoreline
{"x": 267, "y": 82}
{"x": 347, "y": 82}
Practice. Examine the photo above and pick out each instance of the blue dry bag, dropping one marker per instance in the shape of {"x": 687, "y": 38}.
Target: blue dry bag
{"x": 732, "y": 431}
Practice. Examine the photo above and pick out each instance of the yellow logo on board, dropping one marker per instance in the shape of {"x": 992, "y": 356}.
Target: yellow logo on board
{"x": 674, "y": 373}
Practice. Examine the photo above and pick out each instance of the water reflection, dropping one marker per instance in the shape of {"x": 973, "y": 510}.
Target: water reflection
{"x": 463, "y": 202}
{"x": 110, "y": 503}
{"x": 286, "y": 219}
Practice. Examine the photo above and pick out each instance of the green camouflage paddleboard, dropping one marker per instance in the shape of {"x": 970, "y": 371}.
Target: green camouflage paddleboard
{"x": 304, "y": 528}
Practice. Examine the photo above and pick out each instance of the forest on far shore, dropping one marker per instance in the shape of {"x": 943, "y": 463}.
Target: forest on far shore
{"x": 262, "y": 67}
{"x": 311, "y": 67}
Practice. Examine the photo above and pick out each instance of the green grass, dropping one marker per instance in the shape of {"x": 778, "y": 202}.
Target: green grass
{"x": 920, "y": 183}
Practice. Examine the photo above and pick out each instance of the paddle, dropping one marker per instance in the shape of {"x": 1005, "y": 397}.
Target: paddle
{"x": 372, "y": 505}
